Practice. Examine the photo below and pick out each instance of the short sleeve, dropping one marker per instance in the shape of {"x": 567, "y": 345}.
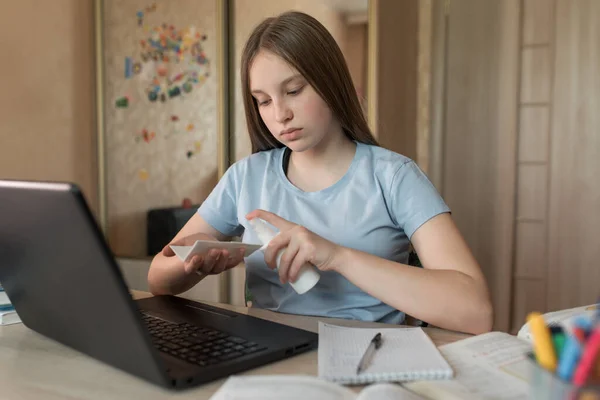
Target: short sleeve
{"x": 414, "y": 198}
{"x": 220, "y": 207}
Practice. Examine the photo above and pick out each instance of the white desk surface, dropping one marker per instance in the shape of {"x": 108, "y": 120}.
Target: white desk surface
{"x": 34, "y": 367}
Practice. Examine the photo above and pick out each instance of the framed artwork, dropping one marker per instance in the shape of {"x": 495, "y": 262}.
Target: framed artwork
{"x": 161, "y": 111}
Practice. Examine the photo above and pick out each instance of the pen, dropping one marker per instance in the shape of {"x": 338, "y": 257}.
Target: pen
{"x": 374, "y": 345}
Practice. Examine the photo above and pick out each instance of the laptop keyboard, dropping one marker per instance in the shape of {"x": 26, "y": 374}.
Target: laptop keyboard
{"x": 197, "y": 345}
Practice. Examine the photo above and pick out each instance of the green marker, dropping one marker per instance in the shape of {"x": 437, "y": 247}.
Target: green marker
{"x": 558, "y": 340}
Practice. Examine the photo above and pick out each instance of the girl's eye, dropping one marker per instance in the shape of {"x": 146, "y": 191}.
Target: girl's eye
{"x": 264, "y": 103}
{"x": 295, "y": 92}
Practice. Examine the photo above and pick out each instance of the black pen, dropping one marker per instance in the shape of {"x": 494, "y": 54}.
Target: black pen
{"x": 374, "y": 345}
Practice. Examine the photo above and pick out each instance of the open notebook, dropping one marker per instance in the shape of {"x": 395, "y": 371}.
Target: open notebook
{"x": 406, "y": 354}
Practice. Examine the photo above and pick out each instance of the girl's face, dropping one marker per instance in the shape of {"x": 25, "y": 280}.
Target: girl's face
{"x": 292, "y": 110}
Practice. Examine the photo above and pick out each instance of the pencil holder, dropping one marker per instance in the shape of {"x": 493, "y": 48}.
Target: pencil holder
{"x": 546, "y": 385}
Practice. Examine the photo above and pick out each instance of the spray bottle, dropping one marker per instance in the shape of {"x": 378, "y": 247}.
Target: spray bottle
{"x": 308, "y": 276}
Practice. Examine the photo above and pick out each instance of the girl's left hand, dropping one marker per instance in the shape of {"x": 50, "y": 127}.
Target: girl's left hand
{"x": 302, "y": 246}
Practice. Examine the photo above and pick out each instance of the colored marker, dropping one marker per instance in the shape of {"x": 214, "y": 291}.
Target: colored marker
{"x": 585, "y": 323}
{"x": 579, "y": 333}
{"x": 558, "y": 340}
{"x": 588, "y": 358}
{"x": 542, "y": 341}
{"x": 569, "y": 358}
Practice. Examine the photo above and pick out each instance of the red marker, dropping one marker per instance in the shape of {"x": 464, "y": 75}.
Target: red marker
{"x": 588, "y": 361}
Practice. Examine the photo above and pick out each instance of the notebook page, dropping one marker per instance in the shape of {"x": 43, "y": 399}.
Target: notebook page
{"x": 492, "y": 365}
{"x": 405, "y": 354}
{"x": 277, "y": 387}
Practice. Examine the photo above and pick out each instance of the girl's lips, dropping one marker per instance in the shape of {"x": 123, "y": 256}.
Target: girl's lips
{"x": 291, "y": 135}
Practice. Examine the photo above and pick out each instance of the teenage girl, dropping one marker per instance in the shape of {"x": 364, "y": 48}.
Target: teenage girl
{"x": 339, "y": 201}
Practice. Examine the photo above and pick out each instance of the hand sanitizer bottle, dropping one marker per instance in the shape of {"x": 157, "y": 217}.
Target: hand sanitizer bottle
{"x": 308, "y": 275}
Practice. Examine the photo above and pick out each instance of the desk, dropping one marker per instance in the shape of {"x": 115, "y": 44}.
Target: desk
{"x": 33, "y": 367}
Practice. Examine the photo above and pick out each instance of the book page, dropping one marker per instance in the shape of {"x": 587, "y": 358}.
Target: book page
{"x": 277, "y": 387}
{"x": 563, "y": 318}
{"x": 387, "y": 391}
{"x": 405, "y": 354}
{"x": 492, "y": 365}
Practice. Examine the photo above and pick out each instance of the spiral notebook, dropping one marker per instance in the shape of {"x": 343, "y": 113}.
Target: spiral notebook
{"x": 406, "y": 354}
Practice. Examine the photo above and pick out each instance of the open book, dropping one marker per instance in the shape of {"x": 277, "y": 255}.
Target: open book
{"x": 488, "y": 366}
{"x": 300, "y": 387}
{"x": 564, "y": 318}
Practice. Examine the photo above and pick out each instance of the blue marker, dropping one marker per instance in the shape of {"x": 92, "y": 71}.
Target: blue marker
{"x": 573, "y": 349}
{"x": 583, "y": 322}
{"x": 569, "y": 358}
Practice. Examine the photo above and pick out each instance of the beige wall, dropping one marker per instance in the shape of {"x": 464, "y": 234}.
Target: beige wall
{"x": 47, "y": 109}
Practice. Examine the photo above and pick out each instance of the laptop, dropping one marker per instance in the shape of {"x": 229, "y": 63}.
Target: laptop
{"x": 65, "y": 284}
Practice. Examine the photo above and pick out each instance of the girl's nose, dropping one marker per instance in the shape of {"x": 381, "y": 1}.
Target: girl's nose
{"x": 282, "y": 112}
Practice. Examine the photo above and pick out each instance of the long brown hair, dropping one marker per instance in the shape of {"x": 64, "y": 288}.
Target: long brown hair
{"x": 305, "y": 44}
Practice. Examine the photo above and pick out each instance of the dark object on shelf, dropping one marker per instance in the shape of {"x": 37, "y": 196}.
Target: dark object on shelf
{"x": 163, "y": 224}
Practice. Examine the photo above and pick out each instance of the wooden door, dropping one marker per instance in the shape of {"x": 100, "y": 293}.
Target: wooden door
{"x": 574, "y": 203}
{"x": 474, "y": 164}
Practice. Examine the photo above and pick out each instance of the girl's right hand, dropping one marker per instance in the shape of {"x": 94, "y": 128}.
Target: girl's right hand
{"x": 213, "y": 262}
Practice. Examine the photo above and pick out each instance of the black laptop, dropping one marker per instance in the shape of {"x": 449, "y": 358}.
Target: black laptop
{"x": 65, "y": 284}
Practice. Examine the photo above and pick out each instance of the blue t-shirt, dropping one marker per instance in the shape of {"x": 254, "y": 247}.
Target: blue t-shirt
{"x": 375, "y": 207}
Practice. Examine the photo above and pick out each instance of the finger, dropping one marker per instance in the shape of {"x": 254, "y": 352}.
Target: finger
{"x": 223, "y": 254}
{"x": 220, "y": 264}
{"x": 287, "y": 258}
{"x": 235, "y": 258}
{"x": 204, "y": 263}
{"x": 210, "y": 260}
{"x": 167, "y": 251}
{"x": 278, "y": 243}
{"x": 301, "y": 258}
{"x": 273, "y": 219}
{"x": 194, "y": 264}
